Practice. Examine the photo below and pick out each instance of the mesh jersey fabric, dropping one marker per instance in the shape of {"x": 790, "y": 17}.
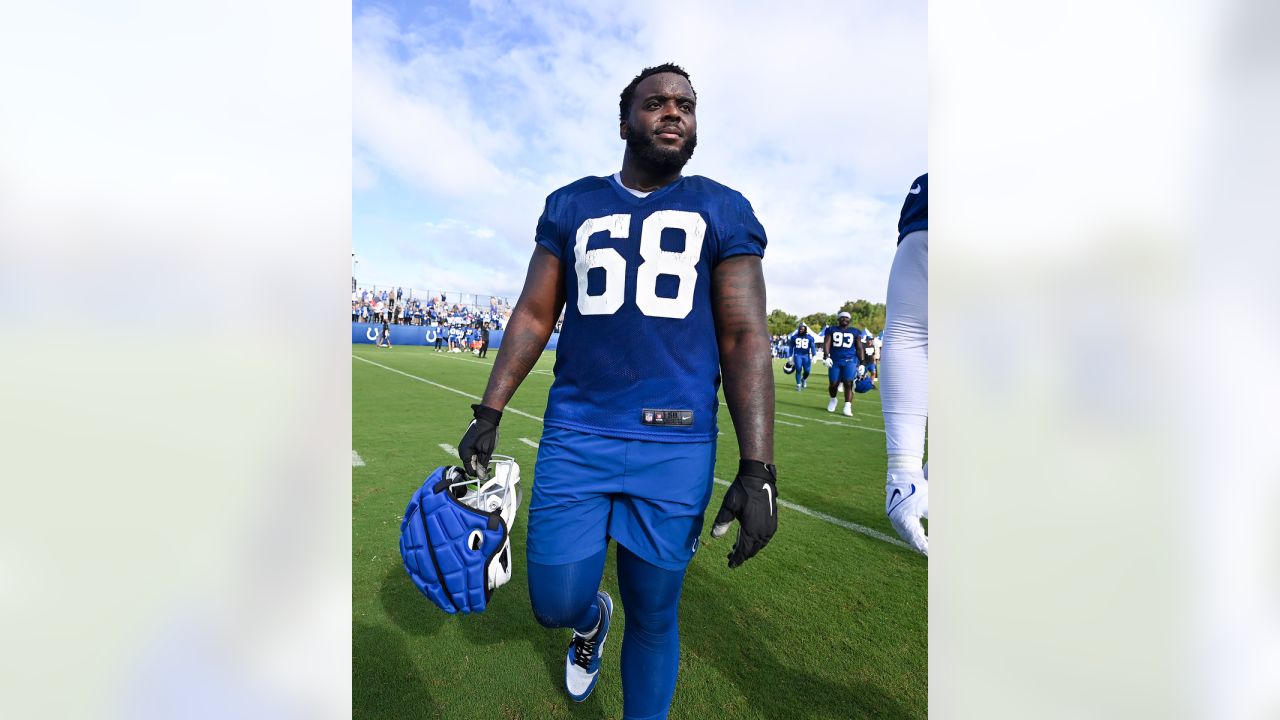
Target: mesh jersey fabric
{"x": 638, "y": 332}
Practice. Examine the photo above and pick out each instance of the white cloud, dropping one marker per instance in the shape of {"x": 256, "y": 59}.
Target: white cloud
{"x": 818, "y": 115}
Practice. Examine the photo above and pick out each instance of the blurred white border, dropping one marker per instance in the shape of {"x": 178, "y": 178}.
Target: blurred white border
{"x": 1103, "y": 453}
{"x": 175, "y": 185}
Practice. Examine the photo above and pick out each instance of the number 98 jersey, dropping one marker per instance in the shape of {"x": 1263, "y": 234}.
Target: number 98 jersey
{"x": 637, "y": 356}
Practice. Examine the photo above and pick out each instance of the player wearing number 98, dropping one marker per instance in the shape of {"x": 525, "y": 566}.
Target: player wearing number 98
{"x": 656, "y": 264}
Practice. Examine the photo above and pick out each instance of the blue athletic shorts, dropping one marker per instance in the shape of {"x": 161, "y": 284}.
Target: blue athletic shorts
{"x": 804, "y": 362}
{"x": 649, "y": 496}
{"x": 843, "y": 371}
{"x": 871, "y": 367}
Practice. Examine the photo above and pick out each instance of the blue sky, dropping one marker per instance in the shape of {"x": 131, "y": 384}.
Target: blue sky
{"x": 466, "y": 115}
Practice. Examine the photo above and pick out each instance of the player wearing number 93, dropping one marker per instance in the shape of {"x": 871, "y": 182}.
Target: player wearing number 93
{"x": 660, "y": 279}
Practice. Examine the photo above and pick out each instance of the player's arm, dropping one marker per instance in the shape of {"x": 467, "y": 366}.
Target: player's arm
{"x": 738, "y": 299}
{"x": 738, "y": 302}
{"x": 532, "y": 321}
{"x": 530, "y": 327}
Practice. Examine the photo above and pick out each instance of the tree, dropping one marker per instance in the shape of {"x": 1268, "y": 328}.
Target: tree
{"x": 817, "y": 321}
{"x": 781, "y": 322}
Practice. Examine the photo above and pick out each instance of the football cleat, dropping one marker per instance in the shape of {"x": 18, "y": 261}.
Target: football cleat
{"x": 906, "y": 501}
{"x": 455, "y": 537}
{"x": 848, "y": 409}
{"x": 831, "y": 406}
{"x": 582, "y": 662}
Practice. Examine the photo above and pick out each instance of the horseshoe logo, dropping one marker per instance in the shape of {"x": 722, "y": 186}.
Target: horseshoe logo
{"x": 371, "y": 334}
{"x": 431, "y": 336}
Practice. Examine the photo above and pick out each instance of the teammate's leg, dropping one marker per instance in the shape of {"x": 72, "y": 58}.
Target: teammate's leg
{"x": 905, "y": 386}
{"x": 651, "y": 643}
{"x": 833, "y": 380}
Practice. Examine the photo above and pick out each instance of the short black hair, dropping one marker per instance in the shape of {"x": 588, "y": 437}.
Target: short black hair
{"x": 629, "y": 92}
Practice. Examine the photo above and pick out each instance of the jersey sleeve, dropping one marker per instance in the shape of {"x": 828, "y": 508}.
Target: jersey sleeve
{"x": 744, "y": 235}
{"x": 548, "y": 234}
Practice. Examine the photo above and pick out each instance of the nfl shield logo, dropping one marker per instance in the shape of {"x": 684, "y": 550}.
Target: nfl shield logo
{"x": 648, "y": 417}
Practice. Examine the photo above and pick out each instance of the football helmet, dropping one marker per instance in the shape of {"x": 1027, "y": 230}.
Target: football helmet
{"x": 864, "y": 384}
{"x": 455, "y": 537}
{"x": 789, "y": 367}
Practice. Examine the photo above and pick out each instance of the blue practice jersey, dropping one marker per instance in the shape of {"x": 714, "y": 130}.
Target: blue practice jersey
{"x": 802, "y": 344}
{"x": 637, "y": 356}
{"x": 915, "y": 209}
{"x": 844, "y": 342}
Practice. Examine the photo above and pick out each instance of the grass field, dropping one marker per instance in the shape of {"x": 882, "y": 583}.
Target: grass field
{"x": 829, "y": 621}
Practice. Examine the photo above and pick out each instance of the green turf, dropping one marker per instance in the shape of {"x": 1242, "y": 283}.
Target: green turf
{"x": 824, "y": 623}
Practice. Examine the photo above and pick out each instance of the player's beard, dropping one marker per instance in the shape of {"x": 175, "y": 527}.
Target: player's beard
{"x": 655, "y": 158}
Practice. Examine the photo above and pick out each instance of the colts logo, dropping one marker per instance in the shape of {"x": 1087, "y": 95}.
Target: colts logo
{"x": 371, "y": 334}
{"x": 431, "y": 336}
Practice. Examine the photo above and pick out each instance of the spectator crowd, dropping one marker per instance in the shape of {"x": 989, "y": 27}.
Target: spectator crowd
{"x": 399, "y": 307}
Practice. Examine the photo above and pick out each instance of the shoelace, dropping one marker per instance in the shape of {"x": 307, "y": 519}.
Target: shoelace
{"x": 583, "y": 649}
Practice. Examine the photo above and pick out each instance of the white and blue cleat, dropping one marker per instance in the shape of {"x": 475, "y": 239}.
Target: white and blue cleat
{"x": 582, "y": 663}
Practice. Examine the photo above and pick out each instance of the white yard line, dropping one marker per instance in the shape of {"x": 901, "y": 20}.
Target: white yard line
{"x": 835, "y": 521}
{"x": 828, "y": 422}
{"x": 451, "y": 450}
{"x": 529, "y": 442}
{"x": 355, "y": 459}
{"x": 784, "y": 422}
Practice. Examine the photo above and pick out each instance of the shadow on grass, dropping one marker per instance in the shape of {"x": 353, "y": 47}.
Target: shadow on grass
{"x": 507, "y": 620}
{"x": 773, "y": 687}
{"x": 389, "y": 685}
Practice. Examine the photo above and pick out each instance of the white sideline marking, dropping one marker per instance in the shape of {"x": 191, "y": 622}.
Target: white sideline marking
{"x": 836, "y": 521}
{"x": 784, "y": 422}
{"x": 529, "y": 442}
{"x": 477, "y": 398}
{"x": 355, "y": 459}
{"x": 828, "y": 422}
{"x": 790, "y": 505}
{"x": 482, "y": 362}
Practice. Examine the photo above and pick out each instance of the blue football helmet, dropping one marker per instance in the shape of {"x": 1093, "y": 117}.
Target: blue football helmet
{"x": 864, "y": 384}
{"x": 455, "y": 537}
{"x": 789, "y": 366}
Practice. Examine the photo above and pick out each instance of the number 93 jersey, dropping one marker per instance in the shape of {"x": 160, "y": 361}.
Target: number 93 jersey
{"x": 637, "y": 356}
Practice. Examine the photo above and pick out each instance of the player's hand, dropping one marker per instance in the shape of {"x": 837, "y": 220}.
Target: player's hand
{"x": 828, "y": 361}
{"x": 753, "y": 500}
{"x": 906, "y": 501}
{"x": 479, "y": 441}
{"x": 862, "y": 370}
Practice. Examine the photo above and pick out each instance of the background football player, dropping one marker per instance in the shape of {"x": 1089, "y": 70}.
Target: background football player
{"x": 628, "y": 449}
{"x": 841, "y": 355}
{"x": 905, "y": 381}
{"x": 802, "y": 346}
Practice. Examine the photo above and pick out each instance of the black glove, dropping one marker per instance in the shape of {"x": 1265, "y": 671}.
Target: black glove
{"x": 479, "y": 441}
{"x": 753, "y": 500}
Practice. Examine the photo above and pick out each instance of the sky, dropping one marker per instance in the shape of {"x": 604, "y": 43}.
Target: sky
{"x": 466, "y": 115}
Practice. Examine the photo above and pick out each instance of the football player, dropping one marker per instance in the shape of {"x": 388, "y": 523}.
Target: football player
{"x": 906, "y": 370}
{"x": 841, "y": 355}
{"x": 646, "y": 263}
{"x": 802, "y": 347}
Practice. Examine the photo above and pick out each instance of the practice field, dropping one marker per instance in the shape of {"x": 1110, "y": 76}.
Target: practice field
{"x": 828, "y": 621}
